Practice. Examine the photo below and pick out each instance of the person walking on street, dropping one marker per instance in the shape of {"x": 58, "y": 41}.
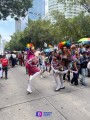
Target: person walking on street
{"x": 0, "y": 69}
{"x": 84, "y": 62}
{"x": 13, "y": 59}
{"x": 33, "y": 70}
{"x": 75, "y": 69}
{"x": 4, "y": 62}
{"x": 22, "y": 59}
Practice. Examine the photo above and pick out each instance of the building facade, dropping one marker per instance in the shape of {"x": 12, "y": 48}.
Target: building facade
{"x": 18, "y": 25}
{"x": 64, "y": 8}
{"x": 2, "y": 46}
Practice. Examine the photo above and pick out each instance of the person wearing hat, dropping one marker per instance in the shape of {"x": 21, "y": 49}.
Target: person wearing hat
{"x": 84, "y": 62}
{"x": 56, "y": 66}
{"x": 66, "y": 59}
{"x": 33, "y": 70}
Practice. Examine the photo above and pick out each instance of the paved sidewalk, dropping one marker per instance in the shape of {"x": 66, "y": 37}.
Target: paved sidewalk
{"x": 72, "y": 103}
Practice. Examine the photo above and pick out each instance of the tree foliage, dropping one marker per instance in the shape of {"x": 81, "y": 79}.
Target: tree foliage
{"x": 14, "y": 8}
{"x": 40, "y": 31}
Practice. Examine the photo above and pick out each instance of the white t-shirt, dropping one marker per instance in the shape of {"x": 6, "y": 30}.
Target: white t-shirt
{"x": 13, "y": 55}
{"x": 8, "y": 56}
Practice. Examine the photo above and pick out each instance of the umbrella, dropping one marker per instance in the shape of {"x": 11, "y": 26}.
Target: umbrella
{"x": 84, "y": 40}
{"x": 47, "y": 50}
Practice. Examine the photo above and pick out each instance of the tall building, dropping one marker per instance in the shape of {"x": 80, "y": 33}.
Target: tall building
{"x": 38, "y": 10}
{"x": 18, "y": 25}
{"x": 34, "y": 13}
{"x": 2, "y": 46}
{"x": 68, "y": 11}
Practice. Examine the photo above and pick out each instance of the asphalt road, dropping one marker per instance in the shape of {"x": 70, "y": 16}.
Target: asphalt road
{"x": 72, "y": 103}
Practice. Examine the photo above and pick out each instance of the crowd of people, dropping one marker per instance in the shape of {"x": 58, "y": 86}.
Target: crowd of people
{"x": 62, "y": 61}
{"x": 10, "y": 60}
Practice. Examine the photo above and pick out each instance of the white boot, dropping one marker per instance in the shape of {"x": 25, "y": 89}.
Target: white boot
{"x": 58, "y": 83}
{"x": 55, "y": 77}
{"x": 62, "y": 82}
{"x": 29, "y": 87}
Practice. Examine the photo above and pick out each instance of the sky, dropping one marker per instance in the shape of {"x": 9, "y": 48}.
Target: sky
{"x": 7, "y": 28}
{"x": 38, "y": 9}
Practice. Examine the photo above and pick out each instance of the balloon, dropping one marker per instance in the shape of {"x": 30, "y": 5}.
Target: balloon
{"x": 47, "y": 50}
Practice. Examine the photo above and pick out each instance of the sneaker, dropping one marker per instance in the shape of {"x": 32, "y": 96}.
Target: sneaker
{"x": 56, "y": 90}
{"x": 62, "y": 88}
{"x": 81, "y": 81}
{"x": 29, "y": 91}
{"x": 71, "y": 84}
{"x": 76, "y": 84}
{"x": 41, "y": 76}
{"x": 84, "y": 84}
{"x": 31, "y": 77}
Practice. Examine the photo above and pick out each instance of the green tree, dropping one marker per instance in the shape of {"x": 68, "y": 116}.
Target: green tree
{"x": 40, "y": 31}
{"x": 7, "y": 46}
{"x": 37, "y": 32}
{"x": 71, "y": 29}
{"x": 14, "y": 8}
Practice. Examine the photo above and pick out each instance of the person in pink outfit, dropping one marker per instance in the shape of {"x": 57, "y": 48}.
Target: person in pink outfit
{"x": 33, "y": 70}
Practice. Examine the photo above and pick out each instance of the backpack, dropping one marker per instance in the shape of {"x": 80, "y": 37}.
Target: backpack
{"x": 4, "y": 62}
